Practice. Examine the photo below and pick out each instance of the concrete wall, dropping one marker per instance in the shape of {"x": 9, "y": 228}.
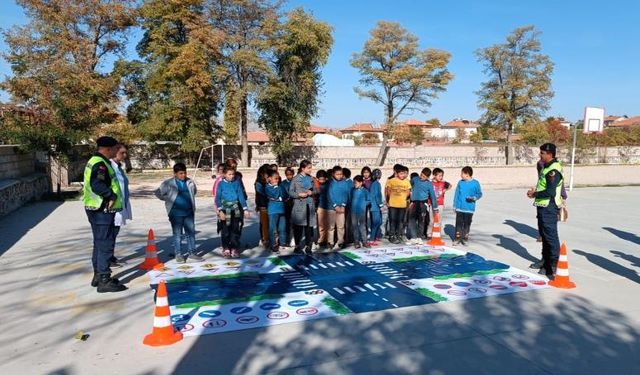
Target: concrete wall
{"x": 19, "y": 181}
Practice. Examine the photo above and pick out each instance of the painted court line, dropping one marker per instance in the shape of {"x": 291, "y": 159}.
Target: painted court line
{"x": 323, "y": 266}
{"x": 338, "y": 290}
{"x": 349, "y": 289}
{"x": 360, "y": 288}
{"x": 314, "y": 266}
{"x": 340, "y": 264}
{"x": 369, "y": 286}
{"x": 390, "y": 285}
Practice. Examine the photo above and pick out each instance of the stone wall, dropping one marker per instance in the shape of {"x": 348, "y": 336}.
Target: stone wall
{"x": 164, "y": 156}
{"x": 19, "y": 180}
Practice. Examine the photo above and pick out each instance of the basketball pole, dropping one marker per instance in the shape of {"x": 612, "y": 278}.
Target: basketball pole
{"x": 573, "y": 155}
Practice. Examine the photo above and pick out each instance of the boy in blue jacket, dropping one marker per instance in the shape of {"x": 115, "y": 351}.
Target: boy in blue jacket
{"x": 467, "y": 194}
{"x": 338, "y": 193}
{"x": 359, "y": 202}
{"x": 276, "y": 197}
{"x": 231, "y": 202}
{"x": 421, "y": 191}
{"x": 377, "y": 202}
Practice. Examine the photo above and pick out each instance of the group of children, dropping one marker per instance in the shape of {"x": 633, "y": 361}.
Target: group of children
{"x": 349, "y": 210}
{"x": 329, "y": 210}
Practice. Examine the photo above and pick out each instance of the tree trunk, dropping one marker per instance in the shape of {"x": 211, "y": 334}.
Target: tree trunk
{"x": 507, "y": 151}
{"x": 385, "y": 135}
{"x": 243, "y": 131}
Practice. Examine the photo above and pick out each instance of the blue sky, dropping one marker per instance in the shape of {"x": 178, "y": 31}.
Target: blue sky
{"x": 595, "y": 46}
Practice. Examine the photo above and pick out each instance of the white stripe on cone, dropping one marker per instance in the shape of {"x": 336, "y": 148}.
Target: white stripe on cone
{"x": 562, "y": 272}
{"x": 563, "y": 258}
{"x": 161, "y": 321}
{"x": 162, "y": 301}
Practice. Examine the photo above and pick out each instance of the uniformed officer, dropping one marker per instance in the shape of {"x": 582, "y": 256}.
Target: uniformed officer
{"x": 547, "y": 199}
{"x": 102, "y": 199}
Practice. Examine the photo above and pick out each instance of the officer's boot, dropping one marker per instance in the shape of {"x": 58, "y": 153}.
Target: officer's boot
{"x": 96, "y": 277}
{"x": 106, "y": 284}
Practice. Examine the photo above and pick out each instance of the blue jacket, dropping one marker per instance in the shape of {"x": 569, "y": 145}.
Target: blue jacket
{"x": 323, "y": 202}
{"x": 182, "y": 206}
{"x": 285, "y": 184}
{"x": 423, "y": 190}
{"x": 276, "y": 196}
{"x": 464, "y": 191}
{"x": 359, "y": 200}
{"x": 230, "y": 192}
{"x": 375, "y": 195}
{"x": 339, "y": 192}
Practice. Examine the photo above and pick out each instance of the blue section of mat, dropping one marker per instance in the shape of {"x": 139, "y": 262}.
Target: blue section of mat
{"x": 359, "y": 287}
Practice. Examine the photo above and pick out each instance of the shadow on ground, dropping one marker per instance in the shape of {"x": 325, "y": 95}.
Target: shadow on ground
{"x": 628, "y": 236}
{"x": 18, "y": 223}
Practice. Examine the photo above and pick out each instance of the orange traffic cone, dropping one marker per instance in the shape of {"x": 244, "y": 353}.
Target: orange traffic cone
{"x": 436, "y": 236}
{"x": 151, "y": 258}
{"x": 162, "y": 333}
{"x": 562, "y": 273}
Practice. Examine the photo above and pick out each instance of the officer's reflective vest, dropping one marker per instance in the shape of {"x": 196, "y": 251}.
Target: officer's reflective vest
{"x": 542, "y": 185}
{"x": 93, "y": 201}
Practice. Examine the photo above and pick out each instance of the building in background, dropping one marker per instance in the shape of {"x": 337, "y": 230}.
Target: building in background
{"x": 453, "y": 128}
{"x": 362, "y": 131}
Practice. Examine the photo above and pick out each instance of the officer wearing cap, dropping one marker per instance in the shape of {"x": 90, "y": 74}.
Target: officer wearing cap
{"x": 102, "y": 199}
{"x": 547, "y": 199}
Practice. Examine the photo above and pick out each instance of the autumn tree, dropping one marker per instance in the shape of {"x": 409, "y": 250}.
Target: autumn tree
{"x": 172, "y": 91}
{"x": 518, "y": 88}
{"x": 290, "y": 99}
{"x": 231, "y": 125}
{"x": 397, "y": 74}
{"x": 60, "y": 70}
{"x": 248, "y": 27}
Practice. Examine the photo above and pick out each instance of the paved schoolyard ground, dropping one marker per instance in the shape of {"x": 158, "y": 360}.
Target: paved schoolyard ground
{"x": 594, "y": 329}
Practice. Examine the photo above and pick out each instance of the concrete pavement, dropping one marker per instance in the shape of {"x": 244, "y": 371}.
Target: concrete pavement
{"x": 594, "y": 329}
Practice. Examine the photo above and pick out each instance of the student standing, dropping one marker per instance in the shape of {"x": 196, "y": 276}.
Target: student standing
{"x": 303, "y": 214}
{"x": 178, "y": 194}
{"x": 359, "y": 202}
{"x": 397, "y": 191}
{"x": 421, "y": 191}
{"x": 468, "y": 192}
{"x": 231, "y": 204}
{"x": 440, "y": 186}
{"x": 275, "y": 208}
{"x": 288, "y": 206}
{"x": 323, "y": 209}
{"x": 377, "y": 202}
{"x": 261, "y": 204}
{"x": 338, "y": 193}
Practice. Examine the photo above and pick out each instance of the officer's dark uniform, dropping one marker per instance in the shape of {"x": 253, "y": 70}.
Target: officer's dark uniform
{"x": 98, "y": 192}
{"x": 548, "y": 218}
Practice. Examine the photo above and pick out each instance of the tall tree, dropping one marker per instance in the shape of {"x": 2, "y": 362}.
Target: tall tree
{"x": 248, "y": 27}
{"x": 397, "y": 74}
{"x": 58, "y": 61}
{"x": 290, "y": 100}
{"x": 231, "y": 127}
{"x": 519, "y": 85}
{"x": 172, "y": 93}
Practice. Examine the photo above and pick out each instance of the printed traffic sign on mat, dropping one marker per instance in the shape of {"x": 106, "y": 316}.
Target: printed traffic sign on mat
{"x": 228, "y": 295}
{"x": 172, "y": 270}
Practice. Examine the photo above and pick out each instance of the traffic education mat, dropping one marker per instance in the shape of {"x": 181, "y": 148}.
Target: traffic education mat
{"x": 234, "y": 294}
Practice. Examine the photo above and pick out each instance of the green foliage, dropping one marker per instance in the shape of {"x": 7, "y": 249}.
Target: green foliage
{"x": 231, "y": 116}
{"x": 290, "y": 99}
{"x": 476, "y": 137}
{"x": 519, "y": 86}
{"x": 537, "y": 133}
{"x": 429, "y": 294}
{"x": 56, "y": 60}
{"x": 398, "y": 75}
{"x": 435, "y": 121}
{"x": 370, "y": 139}
{"x": 172, "y": 93}
{"x": 335, "y": 306}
